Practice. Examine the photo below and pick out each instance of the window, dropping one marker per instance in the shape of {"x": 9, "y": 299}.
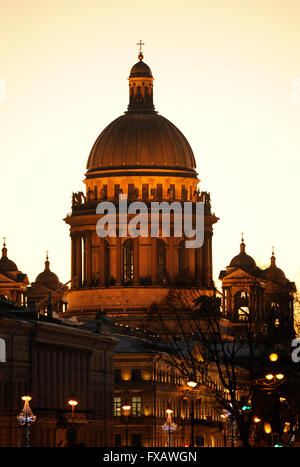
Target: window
{"x": 136, "y": 375}
{"x": 118, "y": 376}
{"x": 136, "y": 408}
{"x": 128, "y": 262}
{"x": 117, "y": 407}
{"x": 241, "y": 306}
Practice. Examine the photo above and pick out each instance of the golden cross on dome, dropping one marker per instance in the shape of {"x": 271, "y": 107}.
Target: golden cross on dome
{"x": 4, "y": 240}
{"x": 273, "y": 250}
{"x": 140, "y": 56}
{"x": 242, "y": 236}
{"x": 140, "y": 44}
{"x": 47, "y": 252}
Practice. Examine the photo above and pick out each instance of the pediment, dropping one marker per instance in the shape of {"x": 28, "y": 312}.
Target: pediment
{"x": 5, "y": 279}
{"x": 238, "y": 274}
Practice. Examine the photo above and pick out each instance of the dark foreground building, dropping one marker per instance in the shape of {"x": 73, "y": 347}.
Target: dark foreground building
{"x": 54, "y": 362}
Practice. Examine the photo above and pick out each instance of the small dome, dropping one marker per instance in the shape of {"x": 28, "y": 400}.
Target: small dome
{"x": 6, "y": 264}
{"x": 47, "y": 277}
{"x": 274, "y": 274}
{"x": 242, "y": 259}
{"x": 140, "y": 69}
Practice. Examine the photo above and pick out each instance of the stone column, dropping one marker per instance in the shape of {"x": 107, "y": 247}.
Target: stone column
{"x": 205, "y": 265}
{"x": 102, "y": 262}
{"x": 198, "y": 265}
{"x": 171, "y": 259}
{"x": 154, "y": 260}
{"x": 209, "y": 259}
{"x": 136, "y": 259}
{"x": 79, "y": 261}
{"x": 88, "y": 256}
{"x": 118, "y": 261}
{"x": 73, "y": 261}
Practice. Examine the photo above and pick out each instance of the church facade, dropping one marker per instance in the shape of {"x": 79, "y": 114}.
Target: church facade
{"x": 143, "y": 156}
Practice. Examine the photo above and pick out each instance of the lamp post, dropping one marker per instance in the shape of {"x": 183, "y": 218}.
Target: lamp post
{"x": 25, "y": 418}
{"x": 276, "y": 416}
{"x": 192, "y": 384}
{"x": 73, "y": 403}
{"x": 126, "y": 409}
{"x": 169, "y": 426}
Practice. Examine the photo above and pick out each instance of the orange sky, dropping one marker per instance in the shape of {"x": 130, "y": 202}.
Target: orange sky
{"x": 224, "y": 74}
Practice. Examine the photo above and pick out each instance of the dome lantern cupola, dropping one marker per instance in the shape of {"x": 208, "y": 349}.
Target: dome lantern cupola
{"x": 141, "y": 87}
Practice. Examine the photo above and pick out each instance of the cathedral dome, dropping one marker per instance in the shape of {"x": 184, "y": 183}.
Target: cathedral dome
{"x": 141, "y": 138}
{"x": 137, "y": 139}
{"x": 47, "y": 277}
{"x": 6, "y": 264}
{"x": 242, "y": 259}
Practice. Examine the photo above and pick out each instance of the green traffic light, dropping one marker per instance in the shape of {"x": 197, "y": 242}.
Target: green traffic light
{"x": 246, "y": 407}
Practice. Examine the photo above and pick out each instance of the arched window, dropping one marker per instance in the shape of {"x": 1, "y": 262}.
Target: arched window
{"x": 2, "y": 350}
{"x": 128, "y": 261}
{"x": 161, "y": 260}
{"x": 241, "y": 306}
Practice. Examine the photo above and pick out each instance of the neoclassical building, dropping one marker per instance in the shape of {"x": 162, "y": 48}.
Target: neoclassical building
{"x": 47, "y": 293}
{"x": 13, "y": 282}
{"x": 144, "y": 156}
{"x": 266, "y": 293}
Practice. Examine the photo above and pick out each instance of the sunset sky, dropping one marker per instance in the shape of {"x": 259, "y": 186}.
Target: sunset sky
{"x": 227, "y": 73}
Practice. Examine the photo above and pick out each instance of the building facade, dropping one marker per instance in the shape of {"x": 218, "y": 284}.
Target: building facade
{"x": 54, "y": 362}
{"x": 143, "y": 156}
{"x": 267, "y": 293}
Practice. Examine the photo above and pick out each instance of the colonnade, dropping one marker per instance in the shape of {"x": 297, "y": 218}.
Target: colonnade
{"x": 94, "y": 260}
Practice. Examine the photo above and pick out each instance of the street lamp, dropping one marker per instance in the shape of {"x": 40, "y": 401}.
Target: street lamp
{"x": 169, "y": 425}
{"x": 73, "y": 403}
{"x": 25, "y": 418}
{"x": 278, "y": 376}
{"x": 192, "y": 384}
{"x": 273, "y": 357}
{"x": 126, "y": 409}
